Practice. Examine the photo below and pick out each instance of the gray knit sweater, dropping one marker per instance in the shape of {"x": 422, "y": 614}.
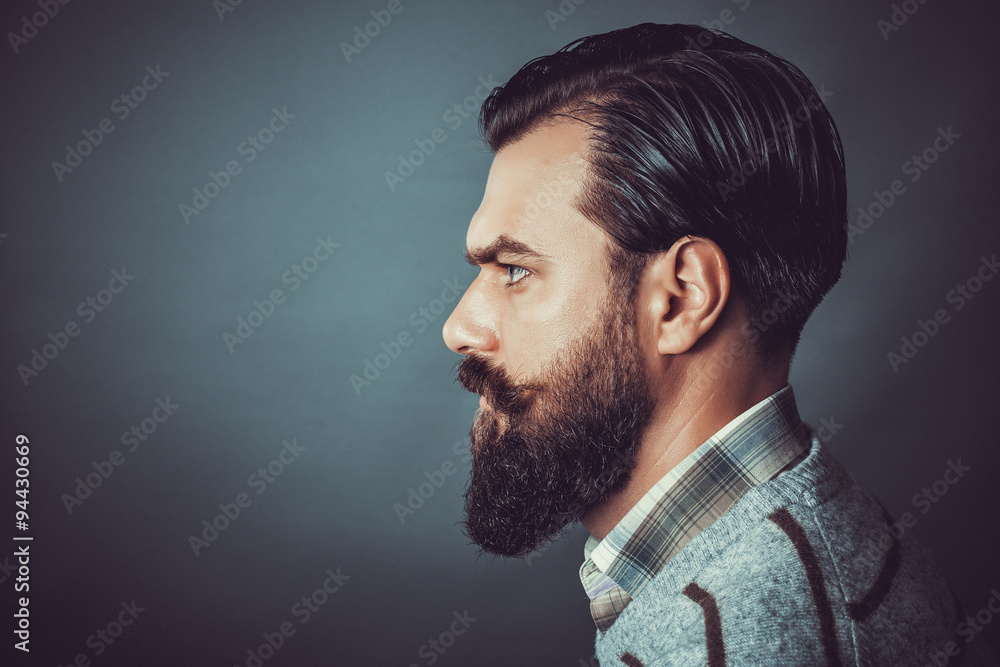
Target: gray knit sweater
{"x": 800, "y": 571}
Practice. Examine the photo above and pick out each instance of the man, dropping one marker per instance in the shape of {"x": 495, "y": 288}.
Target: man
{"x": 665, "y": 209}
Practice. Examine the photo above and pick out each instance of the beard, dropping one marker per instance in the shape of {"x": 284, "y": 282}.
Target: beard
{"x": 547, "y": 451}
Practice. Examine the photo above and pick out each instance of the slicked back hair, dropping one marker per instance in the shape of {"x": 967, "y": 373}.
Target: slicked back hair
{"x": 695, "y": 132}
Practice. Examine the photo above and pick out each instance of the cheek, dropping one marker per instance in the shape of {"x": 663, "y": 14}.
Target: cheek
{"x": 536, "y": 332}
{"x": 573, "y": 312}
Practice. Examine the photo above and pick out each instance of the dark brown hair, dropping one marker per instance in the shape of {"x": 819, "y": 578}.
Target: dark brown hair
{"x": 693, "y": 131}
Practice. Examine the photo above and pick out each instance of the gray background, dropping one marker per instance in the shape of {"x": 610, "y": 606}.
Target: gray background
{"x": 323, "y": 175}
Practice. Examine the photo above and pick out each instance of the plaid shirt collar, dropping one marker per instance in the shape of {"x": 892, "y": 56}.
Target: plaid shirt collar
{"x": 749, "y": 450}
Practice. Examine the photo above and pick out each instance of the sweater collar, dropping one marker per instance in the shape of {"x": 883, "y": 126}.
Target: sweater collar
{"x": 749, "y": 450}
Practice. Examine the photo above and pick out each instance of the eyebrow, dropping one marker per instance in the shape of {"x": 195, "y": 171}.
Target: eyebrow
{"x": 502, "y": 245}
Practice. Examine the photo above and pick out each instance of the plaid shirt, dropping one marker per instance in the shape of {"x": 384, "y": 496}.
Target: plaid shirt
{"x": 749, "y": 450}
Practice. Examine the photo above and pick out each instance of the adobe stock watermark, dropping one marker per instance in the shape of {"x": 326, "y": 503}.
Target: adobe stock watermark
{"x": 971, "y": 626}
{"x": 131, "y": 440}
{"x": 706, "y": 37}
{"x": 898, "y": 17}
{"x": 264, "y": 308}
{"x": 792, "y": 121}
{"x": 431, "y": 482}
{"x": 362, "y": 37}
{"x": 754, "y": 328}
{"x": 122, "y": 107}
{"x": 828, "y": 429}
{"x": 560, "y": 189}
{"x": 725, "y": 19}
{"x": 562, "y": 12}
{"x": 302, "y": 610}
{"x": 249, "y": 149}
{"x": 223, "y": 7}
{"x": 88, "y": 310}
{"x": 432, "y": 651}
{"x": 968, "y": 629}
{"x": 6, "y": 570}
{"x": 22, "y": 622}
{"x": 260, "y": 481}
{"x": 915, "y": 167}
{"x": 958, "y": 297}
{"x": 30, "y": 26}
{"x": 455, "y": 115}
{"x": 924, "y": 500}
{"x": 105, "y": 636}
{"x": 419, "y": 320}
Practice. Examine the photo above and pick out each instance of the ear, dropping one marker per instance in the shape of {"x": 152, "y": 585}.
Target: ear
{"x": 688, "y": 286}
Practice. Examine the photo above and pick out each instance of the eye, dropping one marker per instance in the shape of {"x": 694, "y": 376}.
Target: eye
{"x": 515, "y": 273}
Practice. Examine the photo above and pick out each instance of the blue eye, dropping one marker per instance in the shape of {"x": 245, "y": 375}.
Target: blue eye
{"x": 513, "y": 270}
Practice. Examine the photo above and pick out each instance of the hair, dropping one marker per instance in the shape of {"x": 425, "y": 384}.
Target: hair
{"x": 695, "y": 132}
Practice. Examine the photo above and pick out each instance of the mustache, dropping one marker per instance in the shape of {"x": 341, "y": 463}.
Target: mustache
{"x": 479, "y": 375}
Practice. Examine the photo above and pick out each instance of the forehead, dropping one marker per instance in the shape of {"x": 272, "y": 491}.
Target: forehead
{"x": 532, "y": 188}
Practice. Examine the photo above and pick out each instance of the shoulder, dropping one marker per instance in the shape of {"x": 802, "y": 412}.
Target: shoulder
{"x": 806, "y": 567}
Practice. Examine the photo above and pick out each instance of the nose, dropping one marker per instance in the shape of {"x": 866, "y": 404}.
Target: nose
{"x": 470, "y": 327}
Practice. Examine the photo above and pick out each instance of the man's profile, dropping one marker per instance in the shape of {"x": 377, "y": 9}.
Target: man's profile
{"x": 666, "y": 208}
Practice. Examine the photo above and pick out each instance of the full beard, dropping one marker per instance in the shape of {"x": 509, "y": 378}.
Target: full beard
{"x": 546, "y": 452}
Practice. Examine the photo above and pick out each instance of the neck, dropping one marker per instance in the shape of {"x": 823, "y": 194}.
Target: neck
{"x": 682, "y": 422}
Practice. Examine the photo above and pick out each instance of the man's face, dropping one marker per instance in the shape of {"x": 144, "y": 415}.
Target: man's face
{"x": 553, "y": 351}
